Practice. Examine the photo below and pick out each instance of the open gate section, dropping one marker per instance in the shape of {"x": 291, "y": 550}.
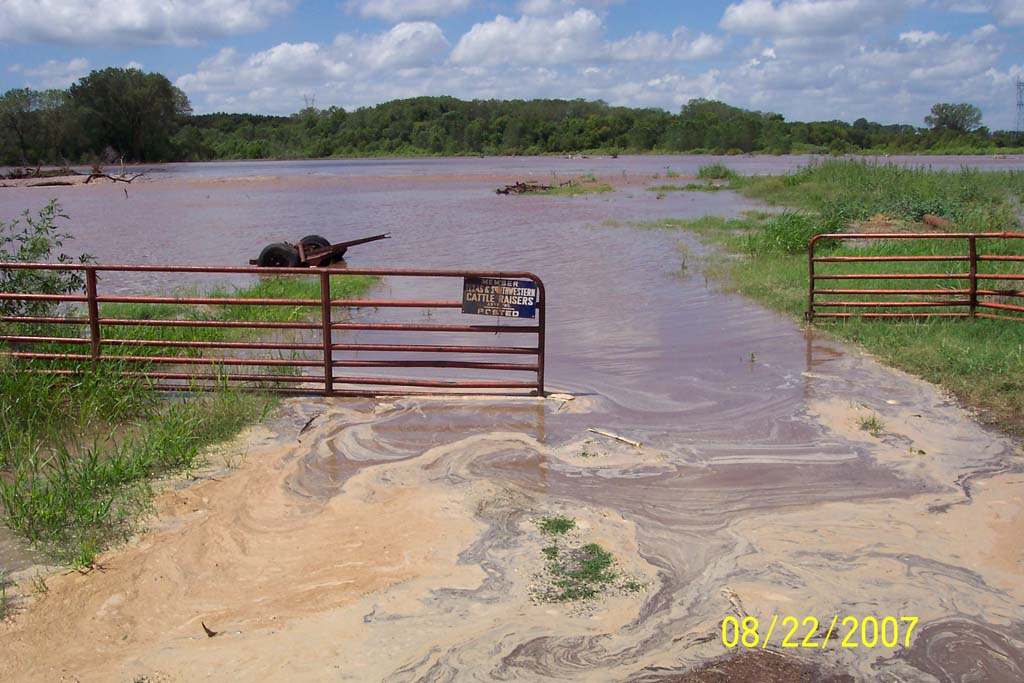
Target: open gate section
{"x": 463, "y": 332}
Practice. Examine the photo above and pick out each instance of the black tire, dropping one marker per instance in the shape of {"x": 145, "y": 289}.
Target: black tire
{"x": 279, "y": 255}
{"x": 312, "y": 242}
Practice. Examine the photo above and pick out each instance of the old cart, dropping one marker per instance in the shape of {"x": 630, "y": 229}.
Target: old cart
{"x": 311, "y": 251}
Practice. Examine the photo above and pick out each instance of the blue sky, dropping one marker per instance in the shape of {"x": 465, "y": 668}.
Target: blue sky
{"x": 886, "y": 60}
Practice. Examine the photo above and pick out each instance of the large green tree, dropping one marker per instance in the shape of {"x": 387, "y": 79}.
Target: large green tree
{"x": 133, "y": 112}
{"x": 18, "y": 118}
{"x": 962, "y": 118}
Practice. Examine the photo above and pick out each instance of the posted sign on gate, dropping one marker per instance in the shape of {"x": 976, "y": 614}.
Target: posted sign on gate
{"x": 508, "y": 298}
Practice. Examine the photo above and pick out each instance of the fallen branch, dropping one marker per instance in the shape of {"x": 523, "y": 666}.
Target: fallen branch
{"x": 634, "y": 444}
{"x": 114, "y": 178}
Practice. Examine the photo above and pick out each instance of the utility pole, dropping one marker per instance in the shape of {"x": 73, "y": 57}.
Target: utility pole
{"x": 1020, "y": 109}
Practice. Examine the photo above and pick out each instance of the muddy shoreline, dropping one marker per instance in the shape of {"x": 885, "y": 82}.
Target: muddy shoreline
{"x": 414, "y": 564}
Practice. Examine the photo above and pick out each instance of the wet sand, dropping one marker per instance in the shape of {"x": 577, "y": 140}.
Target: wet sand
{"x": 397, "y": 541}
{"x": 385, "y": 547}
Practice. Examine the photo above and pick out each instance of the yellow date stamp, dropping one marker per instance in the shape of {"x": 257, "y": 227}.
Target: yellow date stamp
{"x": 808, "y": 632}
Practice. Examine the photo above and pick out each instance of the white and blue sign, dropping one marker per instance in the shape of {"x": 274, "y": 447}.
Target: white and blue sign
{"x": 505, "y": 297}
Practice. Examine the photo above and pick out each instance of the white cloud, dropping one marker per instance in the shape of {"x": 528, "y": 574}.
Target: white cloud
{"x": 573, "y": 38}
{"x": 1009, "y": 12}
{"x": 401, "y": 10}
{"x": 803, "y": 65}
{"x": 531, "y": 40}
{"x": 53, "y": 74}
{"x": 807, "y": 17}
{"x": 547, "y": 7}
{"x": 406, "y": 45}
{"x": 653, "y": 47}
{"x": 90, "y": 22}
{"x": 276, "y": 79}
{"x": 921, "y": 37}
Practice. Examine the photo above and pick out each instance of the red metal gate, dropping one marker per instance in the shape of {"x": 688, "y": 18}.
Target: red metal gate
{"x": 974, "y": 293}
{"x": 318, "y": 364}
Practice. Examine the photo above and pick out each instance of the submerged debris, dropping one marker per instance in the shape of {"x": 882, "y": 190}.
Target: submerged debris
{"x": 523, "y": 188}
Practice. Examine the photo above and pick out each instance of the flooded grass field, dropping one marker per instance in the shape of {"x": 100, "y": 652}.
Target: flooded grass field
{"x": 782, "y": 476}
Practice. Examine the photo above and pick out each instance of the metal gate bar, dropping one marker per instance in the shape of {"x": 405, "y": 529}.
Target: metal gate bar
{"x": 306, "y": 354}
{"x": 970, "y": 298}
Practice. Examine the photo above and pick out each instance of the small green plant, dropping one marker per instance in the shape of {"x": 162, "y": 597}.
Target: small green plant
{"x": 632, "y": 586}
{"x": 5, "y": 600}
{"x": 556, "y": 525}
{"x": 871, "y": 423}
{"x": 582, "y": 573}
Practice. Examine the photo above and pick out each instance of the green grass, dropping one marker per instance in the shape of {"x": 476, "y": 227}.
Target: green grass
{"x": 717, "y": 171}
{"x": 845, "y": 191}
{"x": 77, "y": 452}
{"x": 556, "y": 525}
{"x": 575, "y": 572}
{"x": 760, "y": 255}
{"x": 74, "y": 486}
{"x": 578, "y": 189}
{"x": 689, "y": 187}
{"x": 581, "y": 573}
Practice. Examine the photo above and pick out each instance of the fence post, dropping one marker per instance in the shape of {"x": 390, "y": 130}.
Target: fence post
{"x": 972, "y": 241}
{"x": 94, "y": 311}
{"x": 541, "y": 333}
{"x": 325, "y": 314}
{"x": 809, "y": 315}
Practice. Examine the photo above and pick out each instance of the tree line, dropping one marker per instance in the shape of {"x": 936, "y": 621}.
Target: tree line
{"x": 130, "y": 115}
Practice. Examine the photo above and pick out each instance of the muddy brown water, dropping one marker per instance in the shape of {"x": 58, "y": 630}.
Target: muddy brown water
{"x": 755, "y": 492}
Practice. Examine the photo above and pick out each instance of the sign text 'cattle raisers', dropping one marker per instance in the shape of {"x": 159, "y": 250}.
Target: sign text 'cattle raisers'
{"x": 505, "y": 297}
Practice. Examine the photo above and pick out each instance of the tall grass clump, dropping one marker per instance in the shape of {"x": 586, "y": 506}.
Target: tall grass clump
{"x": 788, "y": 233}
{"x": 73, "y": 496}
{"x": 843, "y": 191}
{"x": 717, "y": 171}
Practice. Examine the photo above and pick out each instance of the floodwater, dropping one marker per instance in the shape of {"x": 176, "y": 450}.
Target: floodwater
{"x": 396, "y": 540}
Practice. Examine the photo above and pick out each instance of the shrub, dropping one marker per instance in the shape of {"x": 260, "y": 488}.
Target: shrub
{"x": 33, "y": 240}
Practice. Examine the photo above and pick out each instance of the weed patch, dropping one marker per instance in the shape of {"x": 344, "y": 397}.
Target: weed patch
{"x": 556, "y": 525}
{"x": 871, "y": 424}
{"x": 575, "y": 572}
